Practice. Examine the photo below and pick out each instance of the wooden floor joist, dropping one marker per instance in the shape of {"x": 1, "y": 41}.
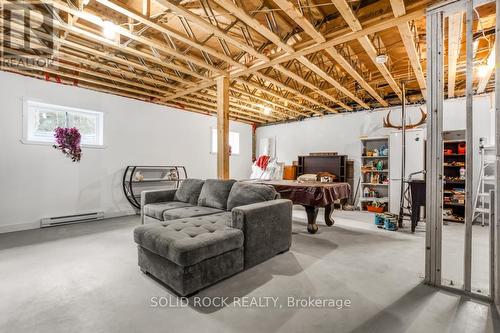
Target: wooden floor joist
{"x": 399, "y": 9}
{"x": 289, "y": 8}
{"x": 283, "y": 59}
{"x": 455, "y": 30}
{"x": 346, "y": 11}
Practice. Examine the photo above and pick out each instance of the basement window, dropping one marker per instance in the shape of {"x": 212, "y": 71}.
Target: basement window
{"x": 41, "y": 119}
{"x": 234, "y": 142}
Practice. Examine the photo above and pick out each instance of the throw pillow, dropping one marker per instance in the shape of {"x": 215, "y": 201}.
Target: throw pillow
{"x": 245, "y": 194}
{"x": 189, "y": 191}
{"x": 215, "y": 193}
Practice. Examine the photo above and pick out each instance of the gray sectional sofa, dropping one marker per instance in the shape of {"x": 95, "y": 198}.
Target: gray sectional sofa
{"x": 208, "y": 230}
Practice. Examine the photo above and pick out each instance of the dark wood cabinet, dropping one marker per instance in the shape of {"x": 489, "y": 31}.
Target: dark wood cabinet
{"x": 334, "y": 164}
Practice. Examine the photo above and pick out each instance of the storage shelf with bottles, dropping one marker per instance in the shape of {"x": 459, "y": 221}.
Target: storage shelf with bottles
{"x": 374, "y": 195}
{"x": 454, "y": 180}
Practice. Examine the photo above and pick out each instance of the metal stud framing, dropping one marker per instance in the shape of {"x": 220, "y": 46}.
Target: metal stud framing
{"x": 435, "y": 83}
{"x": 496, "y": 220}
{"x": 434, "y": 209}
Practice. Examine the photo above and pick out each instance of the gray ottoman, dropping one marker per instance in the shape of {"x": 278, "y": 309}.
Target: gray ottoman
{"x": 191, "y": 253}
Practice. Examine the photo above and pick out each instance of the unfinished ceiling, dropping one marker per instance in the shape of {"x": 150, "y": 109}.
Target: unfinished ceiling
{"x": 286, "y": 59}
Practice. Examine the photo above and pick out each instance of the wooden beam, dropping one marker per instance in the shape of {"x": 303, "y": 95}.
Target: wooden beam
{"x": 236, "y": 105}
{"x": 88, "y": 16}
{"x": 121, "y": 8}
{"x": 87, "y": 36}
{"x": 455, "y": 31}
{"x": 95, "y": 38}
{"x": 264, "y": 31}
{"x": 292, "y": 11}
{"x": 311, "y": 86}
{"x": 222, "y": 127}
{"x": 353, "y": 22}
{"x": 490, "y": 63}
{"x": 144, "y": 91}
{"x": 398, "y": 7}
{"x": 279, "y": 108}
{"x": 190, "y": 16}
{"x": 293, "y": 91}
{"x": 146, "y": 8}
{"x": 338, "y": 40}
{"x": 191, "y": 108}
{"x": 349, "y": 69}
{"x": 224, "y": 35}
{"x": 333, "y": 41}
{"x": 276, "y": 95}
{"x": 334, "y": 83}
{"x": 253, "y": 23}
{"x": 212, "y": 106}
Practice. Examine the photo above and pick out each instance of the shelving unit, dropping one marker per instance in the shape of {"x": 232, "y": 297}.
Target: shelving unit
{"x": 374, "y": 172}
{"x": 140, "y": 178}
{"x": 453, "y": 185}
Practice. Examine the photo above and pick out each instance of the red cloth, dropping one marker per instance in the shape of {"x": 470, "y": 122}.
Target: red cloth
{"x": 262, "y": 162}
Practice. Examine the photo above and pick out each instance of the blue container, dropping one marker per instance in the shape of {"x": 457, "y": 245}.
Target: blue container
{"x": 379, "y": 219}
{"x": 391, "y": 224}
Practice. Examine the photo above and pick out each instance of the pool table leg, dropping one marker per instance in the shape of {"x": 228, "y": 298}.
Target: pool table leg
{"x": 328, "y": 215}
{"x": 312, "y": 213}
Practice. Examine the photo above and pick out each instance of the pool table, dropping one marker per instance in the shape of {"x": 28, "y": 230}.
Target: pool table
{"x": 312, "y": 196}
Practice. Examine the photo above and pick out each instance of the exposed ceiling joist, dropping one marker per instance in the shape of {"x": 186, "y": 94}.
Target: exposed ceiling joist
{"x": 455, "y": 31}
{"x": 490, "y": 65}
{"x": 291, "y": 10}
{"x": 267, "y": 33}
{"x": 173, "y": 57}
{"x": 399, "y": 9}
{"x": 352, "y": 21}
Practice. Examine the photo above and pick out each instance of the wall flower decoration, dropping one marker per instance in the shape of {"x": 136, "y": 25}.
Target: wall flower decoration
{"x": 68, "y": 141}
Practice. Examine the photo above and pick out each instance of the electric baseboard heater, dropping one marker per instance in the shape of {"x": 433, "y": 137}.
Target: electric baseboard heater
{"x": 71, "y": 219}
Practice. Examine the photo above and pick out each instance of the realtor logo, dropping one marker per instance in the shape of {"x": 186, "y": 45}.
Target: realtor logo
{"x": 26, "y": 33}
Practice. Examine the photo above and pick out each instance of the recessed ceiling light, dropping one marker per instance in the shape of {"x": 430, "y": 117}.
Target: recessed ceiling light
{"x": 381, "y": 58}
{"x": 109, "y": 29}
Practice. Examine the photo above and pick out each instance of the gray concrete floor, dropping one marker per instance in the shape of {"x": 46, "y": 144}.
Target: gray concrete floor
{"x": 84, "y": 278}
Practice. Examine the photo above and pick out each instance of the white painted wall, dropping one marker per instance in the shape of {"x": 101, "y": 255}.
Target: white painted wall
{"x": 38, "y": 181}
{"x": 342, "y": 132}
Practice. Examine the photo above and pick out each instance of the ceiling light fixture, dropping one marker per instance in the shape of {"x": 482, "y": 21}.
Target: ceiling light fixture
{"x": 109, "y": 29}
{"x": 381, "y": 59}
{"x": 483, "y": 70}
{"x": 267, "y": 110}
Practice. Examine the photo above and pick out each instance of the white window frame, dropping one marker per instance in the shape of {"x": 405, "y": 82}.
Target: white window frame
{"x": 213, "y": 136}
{"x": 29, "y": 106}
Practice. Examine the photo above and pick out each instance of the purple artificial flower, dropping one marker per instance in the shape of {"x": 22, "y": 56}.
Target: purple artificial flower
{"x": 68, "y": 141}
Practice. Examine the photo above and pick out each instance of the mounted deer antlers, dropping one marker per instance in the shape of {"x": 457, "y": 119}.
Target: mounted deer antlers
{"x": 387, "y": 121}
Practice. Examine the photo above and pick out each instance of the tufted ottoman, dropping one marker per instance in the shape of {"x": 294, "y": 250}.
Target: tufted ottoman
{"x": 189, "y": 254}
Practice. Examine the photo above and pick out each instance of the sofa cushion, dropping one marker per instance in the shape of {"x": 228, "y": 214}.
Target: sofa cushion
{"x": 215, "y": 193}
{"x": 244, "y": 194}
{"x": 189, "y": 191}
{"x": 156, "y": 209}
{"x": 191, "y": 211}
{"x": 191, "y": 240}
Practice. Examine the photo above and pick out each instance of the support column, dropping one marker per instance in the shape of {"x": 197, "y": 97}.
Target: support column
{"x": 254, "y": 143}
{"x": 223, "y": 127}
{"x": 434, "y": 176}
